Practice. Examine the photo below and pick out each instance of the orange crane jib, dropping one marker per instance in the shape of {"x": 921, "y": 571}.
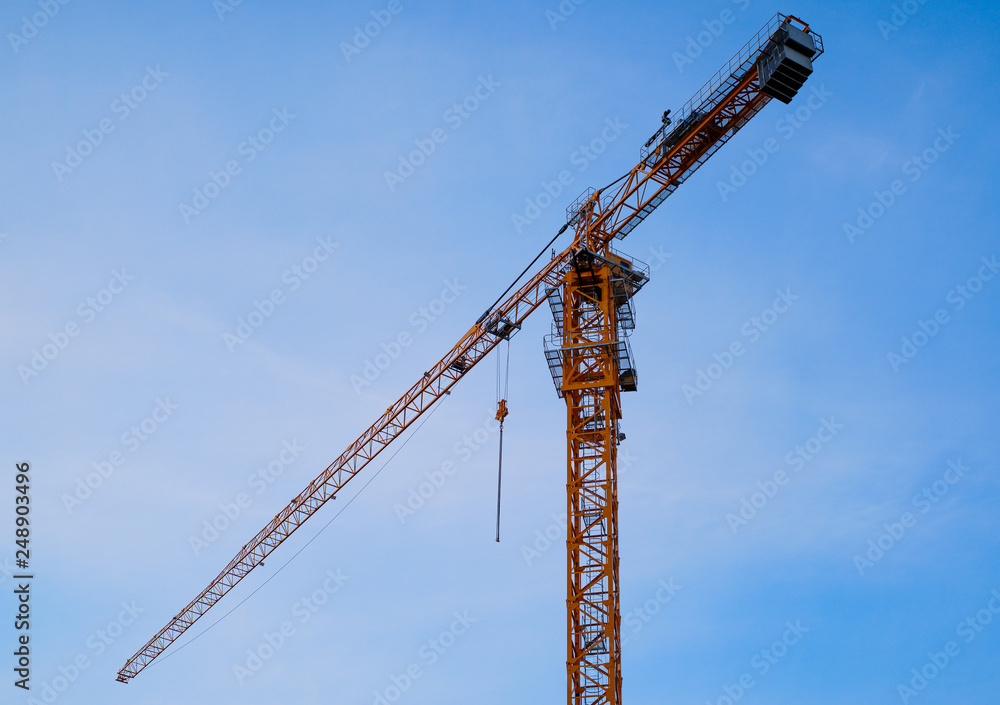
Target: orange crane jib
{"x": 589, "y": 288}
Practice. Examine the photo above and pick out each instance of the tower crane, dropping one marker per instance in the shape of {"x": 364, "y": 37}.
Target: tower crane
{"x": 589, "y": 288}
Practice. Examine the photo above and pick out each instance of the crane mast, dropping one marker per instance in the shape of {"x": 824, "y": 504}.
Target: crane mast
{"x": 588, "y": 352}
{"x": 589, "y": 288}
{"x": 592, "y": 375}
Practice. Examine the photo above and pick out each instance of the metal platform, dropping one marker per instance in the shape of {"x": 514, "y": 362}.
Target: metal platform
{"x": 628, "y": 276}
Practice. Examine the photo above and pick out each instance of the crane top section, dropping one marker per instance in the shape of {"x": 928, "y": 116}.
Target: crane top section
{"x": 775, "y": 63}
{"x": 783, "y": 51}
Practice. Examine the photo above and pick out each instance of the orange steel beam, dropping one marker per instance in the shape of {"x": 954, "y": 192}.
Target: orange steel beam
{"x": 603, "y": 218}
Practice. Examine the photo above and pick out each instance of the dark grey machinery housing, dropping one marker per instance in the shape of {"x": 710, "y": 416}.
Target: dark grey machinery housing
{"x": 787, "y": 63}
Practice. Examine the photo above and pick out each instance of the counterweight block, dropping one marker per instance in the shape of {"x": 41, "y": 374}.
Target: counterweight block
{"x": 787, "y": 62}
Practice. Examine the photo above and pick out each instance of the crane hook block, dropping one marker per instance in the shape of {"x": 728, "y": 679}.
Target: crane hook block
{"x": 502, "y": 411}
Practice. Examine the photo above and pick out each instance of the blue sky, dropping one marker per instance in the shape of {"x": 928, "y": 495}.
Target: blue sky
{"x": 870, "y": 226}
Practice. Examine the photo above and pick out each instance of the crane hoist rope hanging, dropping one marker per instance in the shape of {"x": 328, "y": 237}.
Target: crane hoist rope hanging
{"x": 503, "y": 383}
